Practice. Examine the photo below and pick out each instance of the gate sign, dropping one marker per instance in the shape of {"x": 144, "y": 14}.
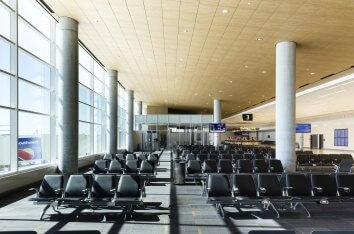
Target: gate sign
{"x": 247, "y": 117}
{"x": 29, "y": 148}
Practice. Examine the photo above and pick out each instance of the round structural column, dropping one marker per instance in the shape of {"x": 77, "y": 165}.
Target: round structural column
{"x": 68, "y": 75}
{"x": 217, "y": 119}
{"x": 140, "y": 112}
{"x": 285, "y": 103}
{"x": 112, "y": 128}
{"x": 130, "y": 102}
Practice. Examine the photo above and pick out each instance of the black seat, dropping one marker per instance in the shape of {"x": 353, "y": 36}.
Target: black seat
{"x": 244, "y": 188}
{"x": 100, "y": 166}
{"x": 214, "y": 152}
{"x": 50, "y": 189}
{"x": 219, "y": 191}
{"x": 194, "y": 167}
{"x": 314, "y": 159}
{"x": 115, "y": 167}
{"x": 236, "y": 157}
{"x": 204, "y": 152}
{"x": 345, "y": 185}
{"x": 154, "y": 158}
{"x": 131, "y": 166}
{"x": 275, "y": 166}
{"x": 76, "y": 190}
{"x": 231, "y": 152}
{"x": 190, "y": 157}
{"x": 226, "y": 156}
{"x": 120, "y": 157}
{"x": 323, "y": 185}
{"x": 248, "y": 156}
{"x": 209, "y": 166}
{"x": 222, "y": 152}
{"x": 258, "y": 156}
{"x": 147, "y": 168}
{"x": 303, "y": 160}
{"x": 130, "y": 157}
{"x": 214, "y": 157}
{"x": 202, "y": 157}
{"x": 260, "y": 166}
{"x": 336, "y": 158}
{"x": 347, "y": 156}
{"x": 102, "y": 190}
{"x": 244, "y": 166}
{"x": 225, "y": 166}
{"x": 325, "y": 160}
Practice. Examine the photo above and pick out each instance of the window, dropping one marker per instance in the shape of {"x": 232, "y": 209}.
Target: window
{"x": 340, "y": 137}
{"x": 4, "y": 90}
{"x": 84, "y": 138}
{"x": 5, "y": 22}
{"x": 33, "y": 98}
{"x": 5, "y": 51}
{"x": 122, "y": 117}
{"x": 4, "y": 140}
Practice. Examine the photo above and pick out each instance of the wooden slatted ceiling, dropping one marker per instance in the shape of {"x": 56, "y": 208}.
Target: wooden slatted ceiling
{"x": 184, "y": 53}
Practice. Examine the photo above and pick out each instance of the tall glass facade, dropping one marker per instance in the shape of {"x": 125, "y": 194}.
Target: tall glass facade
{"x": 28, "y": 91}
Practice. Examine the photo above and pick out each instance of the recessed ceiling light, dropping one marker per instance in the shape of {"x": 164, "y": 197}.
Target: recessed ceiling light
{"x": 307, "y": 69}
{"x": 312, "y": 73}
{"x": 181, "y": 59}
{"x": 209, "y": 94}
{"x": 230, "y": 95}
{"x": 195, "y": 94}
{"x": 246, "y": 66}
{"x": 225, "y": 11}
{"x": 259, "y": 39}
{"x": 263, "y": 95}
{"x": 264, "y": 72}
{"x": 249, "y": 3}
{"x": 230, "y": 81}
{"x": 239, "y": 106}
{"x": 185, "y": 31}
{"x": 96, "y": 20}
{"x": 220, "y": 91}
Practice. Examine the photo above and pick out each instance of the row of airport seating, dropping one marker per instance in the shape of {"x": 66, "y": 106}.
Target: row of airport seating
{"x": 133, "y": 166}
{"x": 197, "y": 169}
{"x": 293, "y": 189}
{"x": 89, "y": 191}
{"x": 232, "y": 157}
{"x": 321, "y": 159}
{"x": 139, "y": 156}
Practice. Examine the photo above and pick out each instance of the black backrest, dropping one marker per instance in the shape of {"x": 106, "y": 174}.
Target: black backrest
{"x": 202, "y": 157}
{"x": 236, "y": 157}
{"x": 214, "y": 157}
{"x": 153, "y": 157}
{"x": 131, "y": 166}
{"x": 324, "y": 181}
{"x": 76, "y": 184}
{"x": 142, "y": 157}
{"x": 147, "y": 166}
{"x": 248, "y": 156}
{"x": 225, "y": 166}
{"x": 245, "y": 185}
{"x": 260, "y": 166}
{"x": 190, "y": 157}
{"x": 194, "y": 167}
{"x": 115, "y": 167}
{"x": 49, "y": 184}
{"x": 275, "y": 166}
{"x": 344, "y": 180}
{"x": 204, "y": 152}
{"x": 129, "y": 186}
{"x": 325, "y": 158}
{"x": 102, "y": 185}
{"x": 244, "y": 166}
{"x": 226, "y": 156}
{"x": 120, "y": 157}
{"x": 195, "y": 152}
{"x": 210, "y": 166}
{"x": 271, "y": 184}
{"x": 231, "y": 152}
{"x": 303, "y": 159}
{"x": 108, "y": 157}
{"x": 214, "y": 152}
{"x": 297, "y": 183}
{"x": 222, "y": 152}
{"x": 258, "y": 156}
{"x": 347, "y": 156}
{"x": 130, "y": 157}
{"x": 218, "y": 185}
{"x": 100, "y": 166}
{"x": 314, "y": 159}
{"x": 336, "y": 158}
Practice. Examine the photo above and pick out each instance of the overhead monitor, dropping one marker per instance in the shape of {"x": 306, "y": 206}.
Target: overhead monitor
{"x": 217, "y": 127}
{"x": 303, "y": 128}
{"x": 247, "y": 117}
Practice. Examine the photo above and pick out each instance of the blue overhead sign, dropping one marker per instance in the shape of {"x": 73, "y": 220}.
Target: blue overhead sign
{"x": 303, "y": 128}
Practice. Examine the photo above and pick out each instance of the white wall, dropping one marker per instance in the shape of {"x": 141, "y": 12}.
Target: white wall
{"x": 263, "y": 135}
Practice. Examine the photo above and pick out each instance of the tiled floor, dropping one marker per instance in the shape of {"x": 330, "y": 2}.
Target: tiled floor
{"x": 175, "y": 209}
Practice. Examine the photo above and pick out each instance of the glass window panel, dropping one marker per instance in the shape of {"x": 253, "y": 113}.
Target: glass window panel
{"x": 33, "y": 41}
{"x": 37, "y": 17}
{"x": 33, "y": 98}
{"x": 97, "y": 116}
{"x": 98, "y": 147}
{"x": 4, "y": 90}
{"x": 98, "y": 101}
{"x": 5, "y": 55}
{"x": 34, "y": 139}
{"x": 4, "y": 140}
{"x": 98, "y": 86}
{"x": 33, "y": 70}
{"x": 84, "y": 138}
{"x": 98, "y": 71}
{"x": 84, "y": 58}
{"x": 84, "y": 94}
{"x": 84, "y": 77}
{"x": 7, "y": 2}
{"x": 84, "y": 112}
{"x": 5, "y": 22}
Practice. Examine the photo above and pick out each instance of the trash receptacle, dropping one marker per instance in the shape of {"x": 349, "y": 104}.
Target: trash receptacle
{"x": 179, "y": 171}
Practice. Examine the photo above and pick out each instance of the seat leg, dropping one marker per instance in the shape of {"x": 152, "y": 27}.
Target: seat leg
{"x": 306, "y": 210}
{"x": 43, "y": 212}
{"x": 55, "y": 210}
{"x": 222, "y": 212}
{"x": 275, "y": 210}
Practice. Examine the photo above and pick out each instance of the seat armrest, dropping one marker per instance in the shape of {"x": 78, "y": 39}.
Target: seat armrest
{"x": 58, "y": 191}
{"x": 262, "y": 190}
{"x": 271, "y": 168}
{"x": 35, "y": 189}
{"x": 287, "y": 188}
{"x": 318, "y": 189}
{"x": 85, "y": 191}
{"x": 344, "y": 189}
{"x": 235, "y": 191}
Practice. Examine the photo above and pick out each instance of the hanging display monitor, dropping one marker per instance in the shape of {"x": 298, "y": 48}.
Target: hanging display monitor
{"x": 247, "y": 117}
{"x": 303, "y": 128}
{"x": 217, "y": 127}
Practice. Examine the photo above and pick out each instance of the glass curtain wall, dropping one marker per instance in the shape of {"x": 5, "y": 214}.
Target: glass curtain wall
{"x": 122, "y": 117}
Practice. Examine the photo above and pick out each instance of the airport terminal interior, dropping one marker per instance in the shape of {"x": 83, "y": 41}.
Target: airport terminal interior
{"x": 176, "y": 116}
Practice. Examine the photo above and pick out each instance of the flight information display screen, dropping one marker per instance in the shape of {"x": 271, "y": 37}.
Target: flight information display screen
{"x": 303, "y": 128}
{"x": 217, "y": 127}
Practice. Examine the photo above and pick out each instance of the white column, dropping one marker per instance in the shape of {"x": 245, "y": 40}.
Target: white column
{"x": 130, "y": 103}
{"x": 285, "y": 103}
{"x": 140, "y": 112}
{"x": 217, "y": 119}
{"x": 112, "y": 129}
{"x": 68, "y": 69}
